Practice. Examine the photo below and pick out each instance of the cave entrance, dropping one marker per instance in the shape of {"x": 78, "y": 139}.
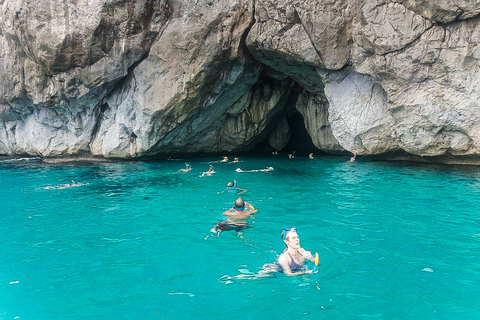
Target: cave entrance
{"x": 300, "y": 140}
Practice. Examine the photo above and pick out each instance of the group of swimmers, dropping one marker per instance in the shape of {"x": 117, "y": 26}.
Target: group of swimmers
{"x": 292, "y": 260}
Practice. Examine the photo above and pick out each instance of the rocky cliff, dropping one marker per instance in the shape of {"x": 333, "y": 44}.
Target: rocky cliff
{"x": 133, "y": 78}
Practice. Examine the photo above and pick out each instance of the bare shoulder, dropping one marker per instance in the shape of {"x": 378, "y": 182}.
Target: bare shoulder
{"x": 282, "y": 258}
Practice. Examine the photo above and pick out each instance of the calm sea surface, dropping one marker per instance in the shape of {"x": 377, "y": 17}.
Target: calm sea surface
{"x": 130, "y": 240}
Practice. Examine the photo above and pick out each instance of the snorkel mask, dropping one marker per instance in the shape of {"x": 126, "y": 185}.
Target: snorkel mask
{"x": 287, "y": 230}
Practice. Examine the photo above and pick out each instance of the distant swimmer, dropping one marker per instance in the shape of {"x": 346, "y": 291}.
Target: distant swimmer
{"x": 225, "y": 159}
{"x": 290, "y": 156}
{"x": 67, "y": 185}
{"x": 292, "y": 260}
{"x": 352, "y": 159}
{"x": 236, "y": 217}
{"x": 209, "y": 172}
{"x": 259, "y": 170}
{"x": 188, "y": 167}
{"x": 235, "y": 160}
{"x": 310, "y": 156}
{"x": 232, "y": 187}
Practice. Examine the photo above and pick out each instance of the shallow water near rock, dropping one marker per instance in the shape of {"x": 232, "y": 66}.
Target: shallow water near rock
{"x": 129, "y": 240}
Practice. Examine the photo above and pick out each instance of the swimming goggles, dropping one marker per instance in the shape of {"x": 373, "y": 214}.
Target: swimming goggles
{"x": 240, "y": 208}
{"x": 287, "y": 230}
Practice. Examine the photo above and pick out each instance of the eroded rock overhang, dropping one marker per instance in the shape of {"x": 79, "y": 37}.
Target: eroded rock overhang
{"x": 141, "y": 78}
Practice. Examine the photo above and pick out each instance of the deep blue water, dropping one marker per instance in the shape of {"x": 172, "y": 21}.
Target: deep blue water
{"x": 129, "y": 241}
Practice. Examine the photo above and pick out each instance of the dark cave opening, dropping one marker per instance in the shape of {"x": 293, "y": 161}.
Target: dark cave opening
{"x": 300, "y": 141}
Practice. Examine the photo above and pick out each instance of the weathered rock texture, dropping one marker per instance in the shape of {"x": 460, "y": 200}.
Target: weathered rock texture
{"x": 132, "y": 78}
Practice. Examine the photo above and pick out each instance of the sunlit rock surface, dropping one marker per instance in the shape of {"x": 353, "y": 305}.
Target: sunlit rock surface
{"x": 127, "y": 79}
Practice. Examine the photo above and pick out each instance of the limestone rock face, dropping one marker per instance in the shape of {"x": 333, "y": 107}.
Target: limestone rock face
{"x": 405, "y": 83}
{"x": 443, "y": 10}
{"x": 314, "y": 109}
{"x": 60, "y": 61}
{"x": 125, "y": 79}
{"x": 195, "y": 79}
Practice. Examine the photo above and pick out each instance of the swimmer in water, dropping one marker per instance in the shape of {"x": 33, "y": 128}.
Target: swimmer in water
{"x": 292, "y": 260}
{"x": 235, "y": 160}
{"x": 352, "y": 159}
{"x": 187, "y": 168}
{"x": 231, "y": 187}
{"x": 225, "y": 159}
{"x": 310, "y": 156}
{"x": 259, "y": 170}
{"x": 65, "y": 186}
{"x": 236, "y": 217}
{"x": 209, "y": 172}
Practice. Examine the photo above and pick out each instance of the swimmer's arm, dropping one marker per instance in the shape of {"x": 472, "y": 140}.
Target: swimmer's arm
{"x": 252, "y": 210}
{"x": 241, "y": 190}
{"x": 221, "y": 191}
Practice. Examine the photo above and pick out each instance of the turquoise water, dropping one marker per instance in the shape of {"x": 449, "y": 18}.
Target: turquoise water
{"x": 129, "y": 241}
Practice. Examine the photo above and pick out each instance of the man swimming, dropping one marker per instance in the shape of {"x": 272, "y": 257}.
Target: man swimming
{"x": 258, "y": 170}
{"x": 209, "y": 172}
{"x": 236, "y": 217}
{"x": 187, "y": 168}
{"x": 231, "y": 187}
{"x": 352, "y": 159}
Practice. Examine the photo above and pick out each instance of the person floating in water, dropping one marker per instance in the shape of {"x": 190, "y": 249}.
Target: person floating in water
{"x": 231, "y": 187}
{"x": 310, "y": 156}
{"x": 209, "y": 172}
{"x": 292, "y": 260}
{"x": 290, "y": 156}
{"x": 225, "y": 159}
{"x": 259, "y": 170}
{"x": 352, "y": 159}
{"x": 67, "y": 185}
{"x": 236, "y": 217}
{"x": 235, "y": 160}
{"x": 188, "y": 167}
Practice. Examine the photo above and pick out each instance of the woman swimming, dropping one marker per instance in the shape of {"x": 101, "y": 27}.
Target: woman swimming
{"x": 292, "y": 260}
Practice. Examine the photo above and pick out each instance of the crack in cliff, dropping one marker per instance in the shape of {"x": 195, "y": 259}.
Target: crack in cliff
{"x": 100, "y": 108}
{"x": 308, "y": 35}
{"x": 458, "y": 20}
{"x": 409, "y": 44}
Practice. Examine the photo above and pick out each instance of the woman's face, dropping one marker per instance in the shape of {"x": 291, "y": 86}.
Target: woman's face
{"x": 292, "y": 240}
